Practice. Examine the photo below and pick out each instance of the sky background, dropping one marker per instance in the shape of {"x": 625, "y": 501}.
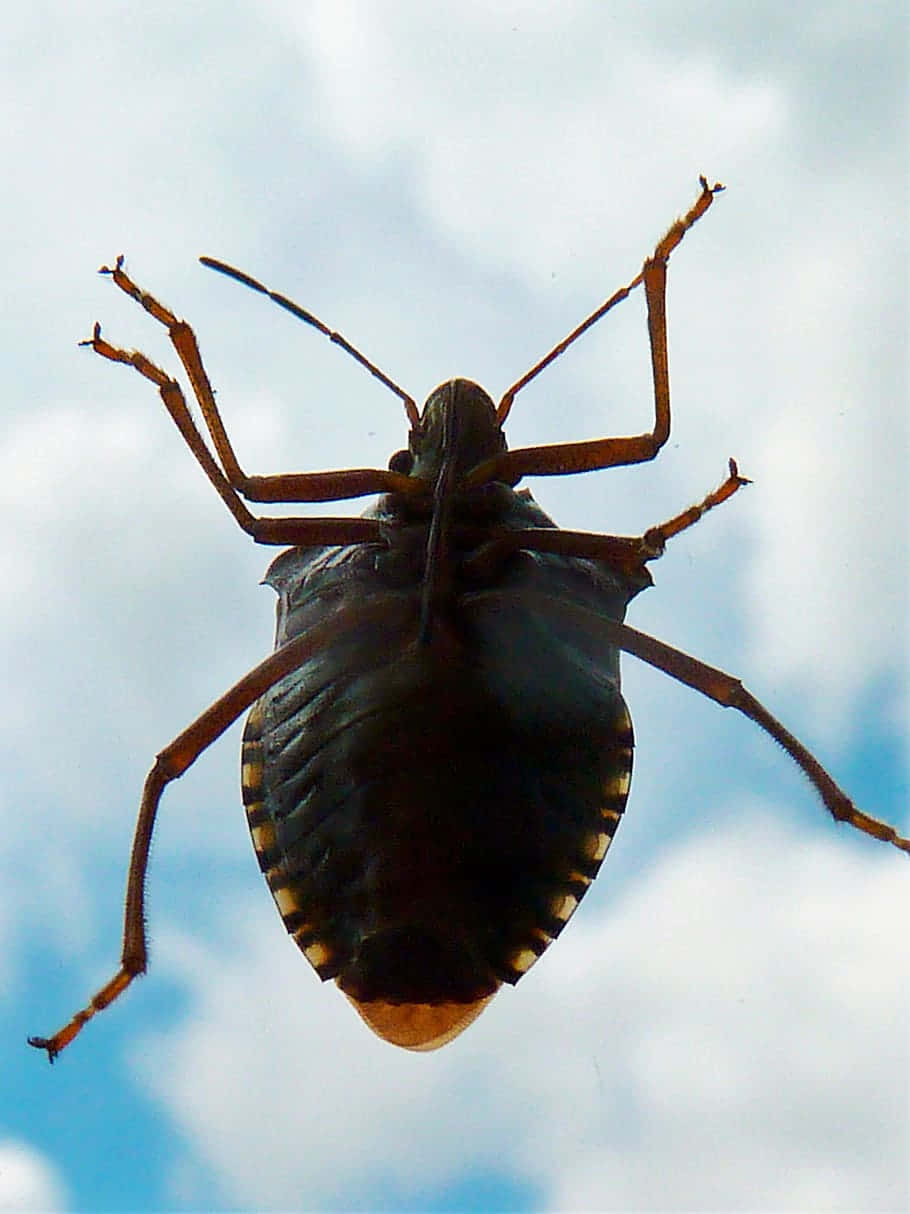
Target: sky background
{"x": 724, "y": 1026}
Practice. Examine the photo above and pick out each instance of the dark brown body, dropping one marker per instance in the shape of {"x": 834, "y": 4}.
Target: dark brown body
{"x": 429, "y": 812}
{"x": 438, "y": 753}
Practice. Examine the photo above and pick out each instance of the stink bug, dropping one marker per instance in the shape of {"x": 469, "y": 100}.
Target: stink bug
{"x": 437, "y": 754}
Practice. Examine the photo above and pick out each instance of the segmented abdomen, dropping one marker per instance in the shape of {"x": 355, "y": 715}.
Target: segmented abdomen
{"x": 400, "y": 799}
{"x": 428, "y": 816}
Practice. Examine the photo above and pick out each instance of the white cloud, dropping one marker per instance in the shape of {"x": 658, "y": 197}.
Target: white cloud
{"x": 529, "y": 165}
{"x": 744, "y": 1002}
{"x": 454, "y": 188}
{"x": 28, "y": 1180}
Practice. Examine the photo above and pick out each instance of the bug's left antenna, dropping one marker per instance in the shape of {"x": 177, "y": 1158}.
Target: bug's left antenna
{"x": 308, "y": 317}
{"x": 661, "y": 254}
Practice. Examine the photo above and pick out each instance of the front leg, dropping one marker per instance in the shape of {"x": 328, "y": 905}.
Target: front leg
{"x": 558, "y": 459}
{"x": 230, "y": 479}
{"x": 298, "y": 531}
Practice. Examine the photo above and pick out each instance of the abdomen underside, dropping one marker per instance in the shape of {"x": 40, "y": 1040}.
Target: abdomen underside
{"x": 428, "y": 815}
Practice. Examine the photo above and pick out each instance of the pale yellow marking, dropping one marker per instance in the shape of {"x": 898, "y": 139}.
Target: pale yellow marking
{"x": 254, "y": 807}
{"x": 254, "y": 720}
{"x": 302, "y": 932}
{"x": 544, "y": 937}
{"x": 595, "y": 846}
{"x": 562, "y": 906}
{"x": 612, "y": 815}
{"x": 618, "y": 786}
{"x": 317, "y": 954}
{"x": 251, "y": 775}
{"x": 285, "y": 900}
{"x": 263, "y": 836}
{"x": 419, "y": 1026}
{"x": 522, "y": 960}
{"x": 576, "y": 877}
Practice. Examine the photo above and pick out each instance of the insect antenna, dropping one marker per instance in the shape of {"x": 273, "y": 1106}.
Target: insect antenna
{"x": 502, "y": 410}
{"x": 308, "y": 317}
{"x": 661, "y": 254}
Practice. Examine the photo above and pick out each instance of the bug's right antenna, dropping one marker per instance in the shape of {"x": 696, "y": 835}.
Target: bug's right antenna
{"x": 302, "y": 314}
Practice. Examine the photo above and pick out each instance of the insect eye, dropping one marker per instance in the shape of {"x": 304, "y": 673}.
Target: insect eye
{"x": 401, "y": 461}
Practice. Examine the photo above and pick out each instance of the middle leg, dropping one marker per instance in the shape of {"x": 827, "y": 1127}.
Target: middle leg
{"x": 289, "y": 487}
{"x": 624, "y": 552}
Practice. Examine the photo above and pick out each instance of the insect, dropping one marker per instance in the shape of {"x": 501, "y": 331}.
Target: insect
{"x": 437, "y": 754}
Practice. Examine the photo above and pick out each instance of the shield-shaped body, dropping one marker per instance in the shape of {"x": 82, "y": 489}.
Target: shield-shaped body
{"x": 428, "y": 813}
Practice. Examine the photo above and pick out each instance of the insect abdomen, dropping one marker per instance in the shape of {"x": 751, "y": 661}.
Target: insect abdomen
{"x": 428, "y": 816}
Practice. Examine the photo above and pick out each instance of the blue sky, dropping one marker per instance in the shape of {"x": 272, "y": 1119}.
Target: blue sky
{"x": 724, "y": 1025}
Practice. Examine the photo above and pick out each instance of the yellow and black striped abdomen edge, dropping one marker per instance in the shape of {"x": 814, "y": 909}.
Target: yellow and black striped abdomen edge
{"x": 426, "y": 1026}
{"x": 593, "y": 849}
{"x": 268, "y": 854}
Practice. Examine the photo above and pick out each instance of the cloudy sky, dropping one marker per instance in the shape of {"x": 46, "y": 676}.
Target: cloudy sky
{"x": 454, "y": 186}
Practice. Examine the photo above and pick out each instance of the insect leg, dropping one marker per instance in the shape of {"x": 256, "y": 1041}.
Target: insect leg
{"x": 729, "y": 692}
{"x": 723, "y": 688}
{"x": 559, "y": 459}
{"x": 655, "y": 538}
{"x": 292, "y": 487}
{"x": 171, "y": 763}
{"x": 627, "y": 553}
{"x": 302, "y": 531}
{"x": 175, "y": 403}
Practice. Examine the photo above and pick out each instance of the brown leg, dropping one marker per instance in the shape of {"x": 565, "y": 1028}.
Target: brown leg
{"x": 626, "y": 553}
{"x": 302, "y": 531}
{"x": 655, "y": 538}
{"x": 730, "y": 693}
{"x": 171, "y": 763}
{"x": 172, "y": 396}
{"x": 561, "y": 458}
{"x": 723, "y": 688}
{"x": 293, "y": 487}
